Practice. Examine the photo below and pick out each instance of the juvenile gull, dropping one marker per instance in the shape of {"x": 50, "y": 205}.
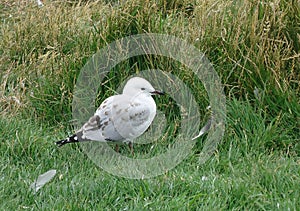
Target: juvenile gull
{"x": 120, "y": 118}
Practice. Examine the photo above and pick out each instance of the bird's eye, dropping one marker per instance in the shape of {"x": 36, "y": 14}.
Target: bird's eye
{"x": 142, "y": 88}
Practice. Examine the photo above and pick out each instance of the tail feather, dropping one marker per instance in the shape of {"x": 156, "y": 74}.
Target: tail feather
{"x": 71, "y": 139}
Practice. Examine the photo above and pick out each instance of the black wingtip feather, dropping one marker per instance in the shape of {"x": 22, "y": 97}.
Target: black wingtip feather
{"x": 71, "y": 139}
{"x": 61, "y": 142}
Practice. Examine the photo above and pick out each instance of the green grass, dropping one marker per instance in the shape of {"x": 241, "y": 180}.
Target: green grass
{"x": 253, "y": 46}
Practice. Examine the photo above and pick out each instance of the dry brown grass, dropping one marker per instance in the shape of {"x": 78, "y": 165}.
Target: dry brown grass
{"x": 251, "y": 44}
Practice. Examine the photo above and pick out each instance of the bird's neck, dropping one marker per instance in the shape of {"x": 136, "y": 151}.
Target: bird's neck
{"x": 143, "y": 97}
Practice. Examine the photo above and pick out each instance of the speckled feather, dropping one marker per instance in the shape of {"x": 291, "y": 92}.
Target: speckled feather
{"x": 120, "y": 118}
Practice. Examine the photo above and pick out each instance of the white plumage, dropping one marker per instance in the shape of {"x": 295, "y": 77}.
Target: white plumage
{"x": 120, "y": 118}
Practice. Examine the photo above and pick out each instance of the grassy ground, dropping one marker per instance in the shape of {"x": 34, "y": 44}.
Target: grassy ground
{"x": 254, "y": 47}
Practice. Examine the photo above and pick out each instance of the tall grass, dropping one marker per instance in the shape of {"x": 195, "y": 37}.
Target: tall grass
{"x": 251, "y": 44}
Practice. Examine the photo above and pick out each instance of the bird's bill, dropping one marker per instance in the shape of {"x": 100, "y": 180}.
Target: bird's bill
{"x": 157, "y": 92}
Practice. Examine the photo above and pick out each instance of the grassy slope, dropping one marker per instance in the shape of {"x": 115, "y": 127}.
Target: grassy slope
{"x": 257, "y": 164}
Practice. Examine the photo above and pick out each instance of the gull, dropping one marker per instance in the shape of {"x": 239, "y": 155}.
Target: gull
{"x": 120, "y": 118}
